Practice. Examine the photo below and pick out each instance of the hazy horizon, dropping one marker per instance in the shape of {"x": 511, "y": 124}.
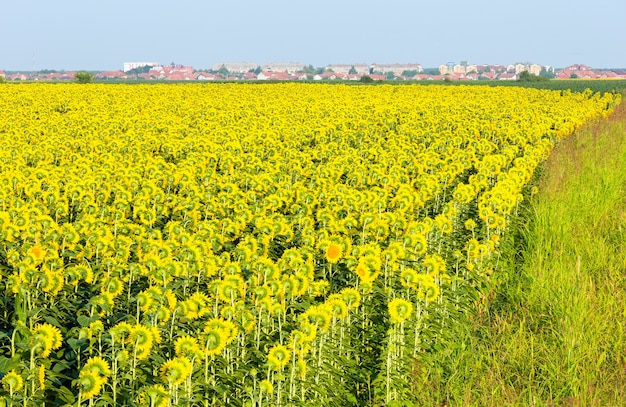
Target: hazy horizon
{"x": 72, "y": 35}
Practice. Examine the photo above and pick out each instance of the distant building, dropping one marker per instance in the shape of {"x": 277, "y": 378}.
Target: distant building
{"x": 132, "y": 65}
{"x": 362, "y": 69}
{"x": 289, "y": 67}
{"x": 111, "y": 75}
{"x": 236, "y": 67}
{"x": 397, "y": 69}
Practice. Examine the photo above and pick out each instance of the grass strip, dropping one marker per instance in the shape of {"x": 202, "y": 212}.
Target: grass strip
{"x": 551, "y": 331}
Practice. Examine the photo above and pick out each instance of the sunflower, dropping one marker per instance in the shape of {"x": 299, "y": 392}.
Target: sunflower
{"x": 46, "y": 338}
{"x": 399, "y": 310}
{"x": 90, "y": 383}
{"x": 187, "y": 346}
{"x": 176, "y": 370}
{"x": 113, "y": 286}
{"x": 12, "y": 382}
{"x": 319, "y": 315}
{"x": 408, "y": 277}
{"x": 309, "y": 331}
{"x": 36, "y": 253}
{"x": 142, "y": 337}
{"x": 98, "y": 365}
{"x": 155, "y": 396}
{"x": 266, "y": 386}
{"x": 301, "y": 369}
{"x": 351, "y": 296}
{"x": 278, "y": 357}
{"x": 120, "y": 332}
{"x": 334, "y": 252}
{"x": 338, "y": 306}
{"x": 214, "y": 341}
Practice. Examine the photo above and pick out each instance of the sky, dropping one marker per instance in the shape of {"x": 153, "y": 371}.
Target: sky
{"x": 102, "y": 35}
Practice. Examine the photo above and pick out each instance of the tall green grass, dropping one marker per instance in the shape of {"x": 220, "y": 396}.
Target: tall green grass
{"x": 550, "y": 330}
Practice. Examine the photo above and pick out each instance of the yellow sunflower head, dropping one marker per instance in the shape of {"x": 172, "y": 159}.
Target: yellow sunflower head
{"x": 176, "y": 370}
{"x": 399, "y": 310}
{"x": 12, "y": 382}
{"x": 46, "y": 338}
{"x": 278, "y": 357}
{"x": 90, "y": 383}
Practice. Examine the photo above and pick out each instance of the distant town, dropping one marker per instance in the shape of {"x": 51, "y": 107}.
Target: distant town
{"x": 290, "y": 71}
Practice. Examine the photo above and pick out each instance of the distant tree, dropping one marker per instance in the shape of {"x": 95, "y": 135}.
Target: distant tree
{"x": 547, "y": 74}
{"x": 139, "y": 70}
{"x": 526, "y": 76}
{"x": 83, "y": 77}
{"x": 223, "y": 71}
{"x": 410, "y": 73}
{"x": 352, "y": 71}
{"x": 573, "y": 76}
{"x": 431, "y": 71}
{"x": 308, "y": 69}
{"x": 390, "y": 76}
{"x": 366, "y": 79}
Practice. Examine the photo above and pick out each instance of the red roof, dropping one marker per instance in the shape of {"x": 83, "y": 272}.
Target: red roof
{"x": 111, "y": 74}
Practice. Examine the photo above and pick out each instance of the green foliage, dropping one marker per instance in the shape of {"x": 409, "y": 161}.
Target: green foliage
{"x": 366, "y": 79}
{"x": 526, "y": 76}
{"x": 139, "y": 70}
{"x": 549, "y": 330}
{"x": 352, "y": 71}
{"x": 410, "y": 73}
{"x": 431, "y": 71}
{"x": 223, "y": 71}
{"x": 83, "y": 77}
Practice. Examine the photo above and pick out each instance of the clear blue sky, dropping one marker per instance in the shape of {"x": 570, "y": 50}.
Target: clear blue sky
{"x": 102, "y": 35}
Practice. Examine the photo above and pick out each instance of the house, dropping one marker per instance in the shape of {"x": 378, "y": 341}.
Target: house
{"x": 251, "y": 76}
{"x": 378, "y": 77}
{"x": 577, "y": 71}
{"x": 507, "y": 77}
{"x": 18, "y": 77}
{"x": 204, "y": 76}
{"x": 275, "y": 76}
{"x": 111, "y": 75}
{"x": 177, "y": 76}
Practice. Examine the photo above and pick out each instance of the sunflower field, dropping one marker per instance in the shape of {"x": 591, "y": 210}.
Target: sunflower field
{"x": 252, "y": 245}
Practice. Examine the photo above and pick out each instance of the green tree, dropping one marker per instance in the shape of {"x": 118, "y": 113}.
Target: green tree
{"x": 526, "y": 76}
{"x": 431, "y": 71}
{"x": 366, "y": 79}
{"x": 223, "y": 71}
{"x": 83, "y": 77}
{"x": 352, "y": 71}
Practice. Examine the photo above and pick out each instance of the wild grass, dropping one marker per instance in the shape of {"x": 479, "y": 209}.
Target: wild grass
{"x": 551, "y": 330}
